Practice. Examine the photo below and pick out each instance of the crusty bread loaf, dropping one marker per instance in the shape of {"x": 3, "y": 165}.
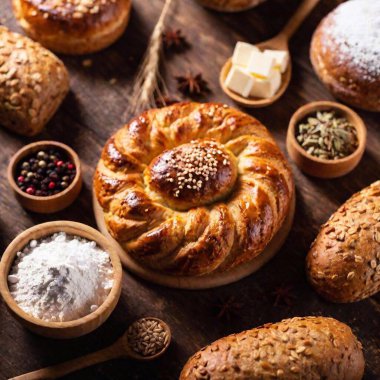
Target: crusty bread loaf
{"x": 343, "y": 264}
{"x": 73, "y": 26}
{"x": 345, "y": 52}
{"x": 193, "y": 188}
{"x": 33, "y": 83}
{"x": 310, "y": 348}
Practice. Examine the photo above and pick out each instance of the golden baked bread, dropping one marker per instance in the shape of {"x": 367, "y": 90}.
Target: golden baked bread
{"x": 73, "y": 26}
{"x": 345, "y": 52}
{"x": 33, "y": 83}
{"x": 193, "y": 188}
{"x": 343, "y": 264}
{"x": 310, "y": 348}
{"x": 230, "y": 5}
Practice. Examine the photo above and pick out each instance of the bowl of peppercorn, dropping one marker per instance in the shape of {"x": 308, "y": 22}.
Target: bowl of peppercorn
{"x": 45, "y": 176}
{"x": 326, "y": 139}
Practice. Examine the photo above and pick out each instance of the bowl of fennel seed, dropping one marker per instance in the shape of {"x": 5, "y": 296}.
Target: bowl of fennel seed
{"x": 326, "y": 139}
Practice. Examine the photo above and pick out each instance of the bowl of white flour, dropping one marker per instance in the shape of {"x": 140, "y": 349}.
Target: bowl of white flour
{"x": 61, "y": 279}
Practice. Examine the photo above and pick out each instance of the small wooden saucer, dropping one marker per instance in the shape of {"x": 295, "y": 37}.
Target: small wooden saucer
{"x": 70, "y": 329}
{"x": 52, "y": 203}
{"x": 200, "y": 282}
{"x": 318, "y": 167}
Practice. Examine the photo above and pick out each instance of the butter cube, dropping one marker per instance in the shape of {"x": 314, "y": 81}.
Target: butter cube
{"x": 239, "y": 81}
{"x": 261, "y": 65}
{"x": 266, "y": 88}
{"x": 281, "y": 58}
{"x": 242, "y": 53}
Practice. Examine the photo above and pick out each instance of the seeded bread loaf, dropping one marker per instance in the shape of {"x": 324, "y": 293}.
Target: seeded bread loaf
{"x": 33, "y": 83}
{"x": 193, "y": 189}
{"x": 343, "y": 264}
{"x": 73, "y": 26}
{"x": 310, "y": 348}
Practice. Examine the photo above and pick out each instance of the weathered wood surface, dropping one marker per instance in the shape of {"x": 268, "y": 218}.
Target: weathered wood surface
{"x": 95, "y": 108}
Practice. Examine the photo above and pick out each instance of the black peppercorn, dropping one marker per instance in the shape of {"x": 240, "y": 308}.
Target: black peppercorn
{"x": 45, "y": 173}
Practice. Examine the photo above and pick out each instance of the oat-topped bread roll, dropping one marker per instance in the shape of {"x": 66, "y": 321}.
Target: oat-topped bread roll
{"x": 73, "y": 26}
{"x": 343, "y": 264}
{"x": 310, "y": 348}
{"x": 33, "y": 83}
{"x": 193, "y": 188}
{"x": 345, "y": 52}
{"x": 230, "y": 5}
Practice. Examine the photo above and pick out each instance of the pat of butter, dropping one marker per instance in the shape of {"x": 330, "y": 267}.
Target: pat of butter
{"x": 261, "y": 65}
{"x": 242, "y": 53}
{"x": 266, "y": 88}
{"x": 239, "y": 81}
{"x": 281, "y": 58}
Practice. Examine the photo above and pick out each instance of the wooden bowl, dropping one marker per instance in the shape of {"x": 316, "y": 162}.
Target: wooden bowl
{"x": 70, "y": 329}
{"x": 52, "y": 203}
{"x": 254, "y": 102}
{"x": 318, "y": 167}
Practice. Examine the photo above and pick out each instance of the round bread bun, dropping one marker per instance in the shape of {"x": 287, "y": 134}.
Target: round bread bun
{"x": 345, "y": 53}
{"x": 73, "y": 26}
{"x": 193, "y": 189}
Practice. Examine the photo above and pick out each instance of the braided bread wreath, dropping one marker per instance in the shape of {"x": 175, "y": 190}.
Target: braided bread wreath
{"x": 194, "y": 194}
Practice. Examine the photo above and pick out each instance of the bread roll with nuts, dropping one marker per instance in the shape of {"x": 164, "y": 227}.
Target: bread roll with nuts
{"x": 343, "y": 264}
{"x": 310, "y": 348}
{"x": 33, "y": 83}
{"x": 73, "y": 26}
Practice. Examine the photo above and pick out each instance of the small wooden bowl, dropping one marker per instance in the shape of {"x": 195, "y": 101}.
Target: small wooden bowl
{"x": 52, "y": 203}
{"x": 70, "y": 329}
{"x": 318, "y": 167}
{"x": 254, "y": 102}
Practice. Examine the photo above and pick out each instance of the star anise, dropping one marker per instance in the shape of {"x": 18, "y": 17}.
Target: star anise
{"x": 164, "y": 101}
{"x": 192, "y": 85}
{"x": 228, "y": 308}
{"x": 283, "y": 295}
{"x": 174, "y": 40}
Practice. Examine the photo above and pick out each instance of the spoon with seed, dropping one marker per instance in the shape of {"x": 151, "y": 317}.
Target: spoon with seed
{"x": 146, "y": 339}
{"x": 279, "y": 42}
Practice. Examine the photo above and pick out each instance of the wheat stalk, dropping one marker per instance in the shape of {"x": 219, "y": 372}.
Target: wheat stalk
{"x": 148, "y": 81}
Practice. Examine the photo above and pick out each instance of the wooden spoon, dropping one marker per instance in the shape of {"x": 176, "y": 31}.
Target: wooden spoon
{"x": 120, "y": 349}
{"x": 279, "y": 42}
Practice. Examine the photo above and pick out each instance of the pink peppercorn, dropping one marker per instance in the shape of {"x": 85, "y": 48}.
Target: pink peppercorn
{"x": 30, "y": 190}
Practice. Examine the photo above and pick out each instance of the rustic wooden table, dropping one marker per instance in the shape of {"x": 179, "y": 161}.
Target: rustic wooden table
{"x": 94, "y": 109}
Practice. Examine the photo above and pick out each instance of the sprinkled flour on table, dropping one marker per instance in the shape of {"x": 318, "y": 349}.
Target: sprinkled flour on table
{"x": 356, "y": 32}
{"x": 61, "y": 278}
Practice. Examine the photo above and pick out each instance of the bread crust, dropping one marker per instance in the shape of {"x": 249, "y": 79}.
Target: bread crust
{"x": 335, "y": 64}
{"x": 231, "y": 230}
{"x": 33, "y": 83}
{"x": 73, "y": 27}
{"x": 343, "y": 264}
{"x": 309, "y": 348}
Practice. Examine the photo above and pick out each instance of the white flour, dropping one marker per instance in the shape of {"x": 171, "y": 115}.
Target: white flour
{"x": 61, "y": 278}
{"x": 356, "y": 32}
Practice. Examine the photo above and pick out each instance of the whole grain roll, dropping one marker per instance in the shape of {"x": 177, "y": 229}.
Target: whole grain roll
{"x": 33, "y": 83}
{"x": 343, "y": 264}
{"x": 310, "y": 348}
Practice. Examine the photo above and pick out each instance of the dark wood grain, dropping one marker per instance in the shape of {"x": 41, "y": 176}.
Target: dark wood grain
{"x": 95, "y": 108}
